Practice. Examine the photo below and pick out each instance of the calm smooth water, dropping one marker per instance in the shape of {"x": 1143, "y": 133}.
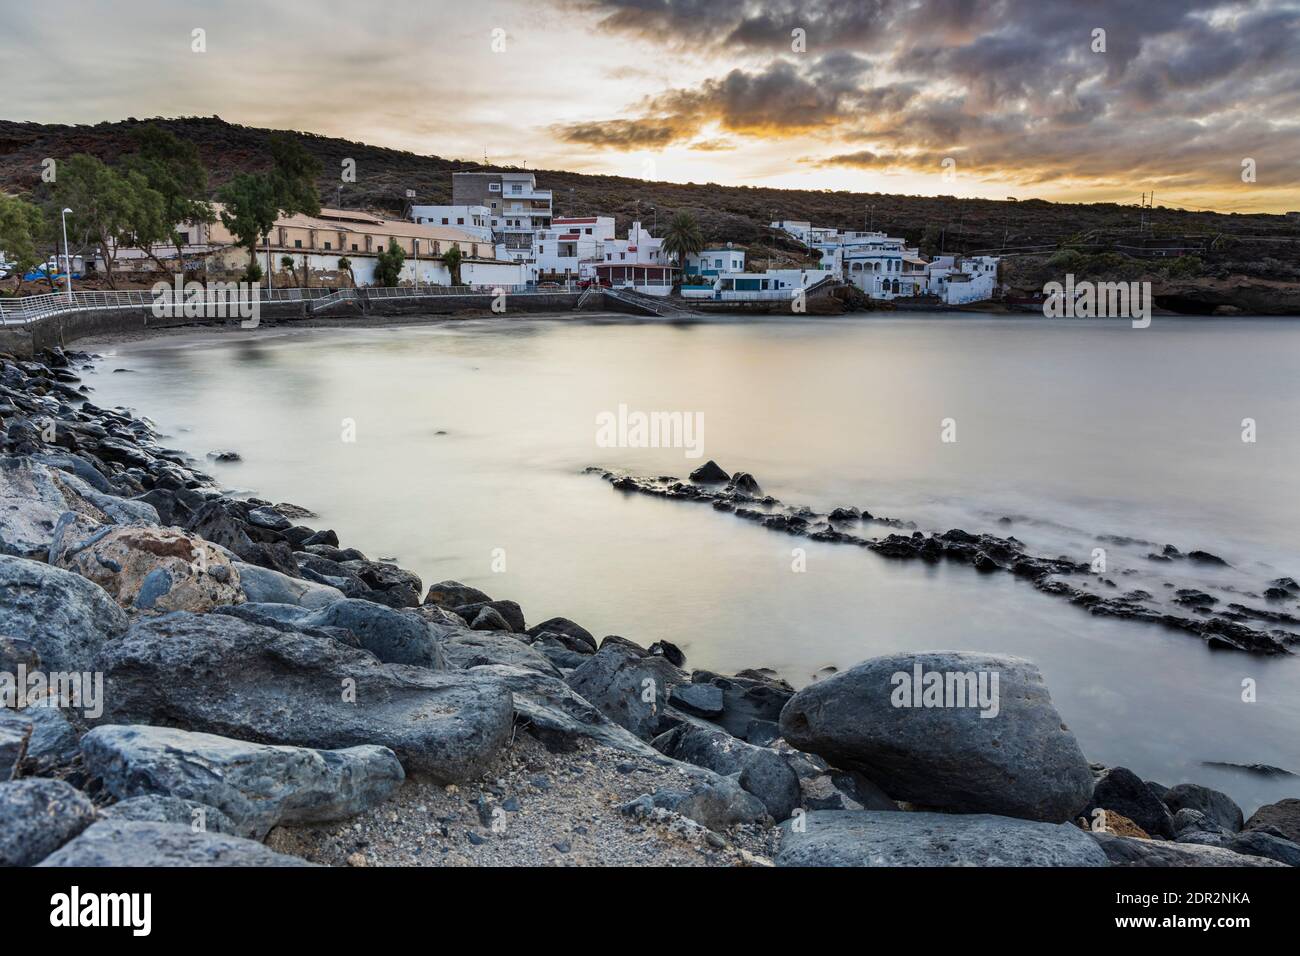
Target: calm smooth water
{"x": 1074, "y": 428}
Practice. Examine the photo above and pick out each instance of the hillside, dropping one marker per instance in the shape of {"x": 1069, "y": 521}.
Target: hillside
{"x": 1265, "y": 247}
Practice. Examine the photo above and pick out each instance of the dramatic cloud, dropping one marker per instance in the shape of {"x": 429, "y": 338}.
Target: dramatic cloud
{"x": 1021, "y": 91}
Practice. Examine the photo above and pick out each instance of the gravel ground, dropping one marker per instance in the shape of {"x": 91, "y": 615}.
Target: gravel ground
{"x": 534, "y": 808}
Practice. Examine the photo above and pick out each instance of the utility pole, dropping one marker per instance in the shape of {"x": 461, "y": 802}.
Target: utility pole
{"x": 67, "y": 260}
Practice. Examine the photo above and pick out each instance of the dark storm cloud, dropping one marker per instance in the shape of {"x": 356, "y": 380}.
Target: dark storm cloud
{"x": 1010, "y": 88}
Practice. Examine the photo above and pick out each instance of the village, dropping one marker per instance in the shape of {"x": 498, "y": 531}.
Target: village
{"x": 505, "y": 235}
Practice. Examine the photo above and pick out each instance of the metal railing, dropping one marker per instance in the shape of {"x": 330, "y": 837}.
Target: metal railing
{"x": 24, "y": 310}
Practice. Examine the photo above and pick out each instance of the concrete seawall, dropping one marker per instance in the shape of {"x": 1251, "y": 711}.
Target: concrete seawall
{"x": 61, "y": 330}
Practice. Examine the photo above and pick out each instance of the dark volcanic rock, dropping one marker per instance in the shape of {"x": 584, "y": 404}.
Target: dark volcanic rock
{"x": 562, "y": 625}
{"x": 710, "y": 472}
{"x": 131, "y": 843}
{"x": 37, "y": 817}
{"x": 747, "y": 697}
{"x": 395, "y": 637}
{"x": 1219, "y": 808}
{"x": 703, "y": 700}
{"x": 885, "y": 838}
{"x": 1022, "y": 761}
{"x": 762, "y": 772}
{"x": 64, "y": 617}
{"x": 1283, "y": 816}
{"x": 1121, "y": 791}
{"x": 155, "y": 808}
{"x": 258, "y": 786}
{"x": 217, "y": 674}
{"x": 508, "y": 612}
{"x": 1130, "y": 851}
{"x": 453, "y": 594}
{"x": 631, "y": 689}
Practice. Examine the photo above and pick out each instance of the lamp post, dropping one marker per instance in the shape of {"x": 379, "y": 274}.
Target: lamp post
{"x": 67, "y": 262}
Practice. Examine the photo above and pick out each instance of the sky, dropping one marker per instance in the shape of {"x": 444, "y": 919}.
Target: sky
{"x": 1090, "y": 101}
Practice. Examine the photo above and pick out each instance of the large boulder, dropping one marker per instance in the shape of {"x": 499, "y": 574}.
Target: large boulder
{"x": 1219, "y": 808}
{"x": 1132, "y": 851}
{"x": 130, "y": 843}
{"x": 265, "y": 586}
{"x": 217, "y": 674}
{"x": 37, "y": 816}
{"x": 563, "y": 626}
{"x": 156, "y": 569}
{"x": 66, "y": 618}
{"x": 1260, "y": 843}
{"x": 1003, "y": 749}
{"x": 1283, "y": 816}
{"x": 1120, "y": 790}
{"x": 630, "y": 687}
{"x": 258, "y": 786}
{"x": 884, "y": 838}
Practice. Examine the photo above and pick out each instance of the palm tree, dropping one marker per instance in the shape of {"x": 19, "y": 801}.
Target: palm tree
{"x": 451, "y": 259}
{"x": 683, "y": 237}
{"x": 346, "y": 265}
{"x": 286, "y": 262}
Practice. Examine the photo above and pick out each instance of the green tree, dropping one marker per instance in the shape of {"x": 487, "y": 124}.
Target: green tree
{"x": 22, "y": 227}
{"x": 388, "y": 267}
{"x": 172, "y": 168}
{"x": 286, "y": 262}
{"x": 683, "y": 237}
{"x": 452, "y": 259}
{"x": 253, "y": 201}
{"x": 110, "y": 208}
{"x": 249, "y": 211}
{"x": 345, "y": 264}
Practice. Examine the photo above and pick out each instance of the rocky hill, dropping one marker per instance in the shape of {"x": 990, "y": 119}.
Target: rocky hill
{"x": 1237, "y": 249}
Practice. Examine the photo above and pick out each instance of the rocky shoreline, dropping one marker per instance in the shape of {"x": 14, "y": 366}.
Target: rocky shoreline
{"x": 200, "y": 679}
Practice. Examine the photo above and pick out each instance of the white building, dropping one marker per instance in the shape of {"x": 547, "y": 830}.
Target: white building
{"x": 804, "y": 231}
{"x": 476, "y": 220}
{"x": 743, "y": 285}
{"x": 715, "y": 260}
{"x": 517, "y": 208}
{"x": 570, "y": 243}
{"x": 971, "y": 279}
{"x": 637, "y": 262}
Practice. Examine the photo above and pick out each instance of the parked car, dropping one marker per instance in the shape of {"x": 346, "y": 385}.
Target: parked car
{"x": 549, "y": 287}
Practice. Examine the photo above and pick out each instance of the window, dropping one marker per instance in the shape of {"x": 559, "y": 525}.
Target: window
{"x": 327, "y": 245}
{"x": 297, "y": 243}
{"x": 494, "y": 188}
{"x": 460, "y": 221}
{"x": 354, "y": 247}
{"x": 444, "y": 220}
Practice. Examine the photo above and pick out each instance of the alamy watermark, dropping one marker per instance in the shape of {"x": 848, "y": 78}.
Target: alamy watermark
{"x": 950, "y": 689}
{"x": 208, "y": 300}
{"x": 631, "y": 429}
{"x": 1098, "y": 300}
{"x": 70, "y": 690}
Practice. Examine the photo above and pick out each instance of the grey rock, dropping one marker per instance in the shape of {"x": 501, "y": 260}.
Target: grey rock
{"x": 157, "y": 808}
{"x": 395, "y": 637}
{"x": 559, "y": 717}
{"x": 264, "y": 586}
{"x": 876, "y": 838}
{"x": 562, "y": 625}
{"x": 32, "y": 499}
{"x": 717, "y": 803}
{"x": 1284, "y": 816}
{"x": 15, "y": 731}
{"x": 487, "y": 618}
{"x": 130, "y": 843}
{"x": 703, "y": 700}
{"x": 258, "y": 786}
{"x": 54, "y": 744}
{"x": 1189, "y": 819}
{"x": 216, "y": 674}
{"x": 1266, "y": 845}
{"x": 506, "y": 611}
{"x": 15, "y": 651}
{"x": 1121, "y": 791}
{"x": 629, "y": 689}
{"x": 1131, "y": 851}
{"x": 466, "y": 649}
{"x": 37, "y": 816}
{"x": 1023, "y": 762}
{"x": 453, "y": 594}
{"x": 747, "y": 697}
{"x": 760, "y": 771}
{"x": 66, "y": 618}
{"x": 1219, "y": 808}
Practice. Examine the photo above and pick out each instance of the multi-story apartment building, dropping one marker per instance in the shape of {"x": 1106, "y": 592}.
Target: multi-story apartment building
{"x": 562, "y": 250}
{"x": 517, "y": 207}
{"x": 476, "y": 220}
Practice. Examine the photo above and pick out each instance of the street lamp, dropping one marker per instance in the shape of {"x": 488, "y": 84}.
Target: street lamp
{"x": 67, "y": 262}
